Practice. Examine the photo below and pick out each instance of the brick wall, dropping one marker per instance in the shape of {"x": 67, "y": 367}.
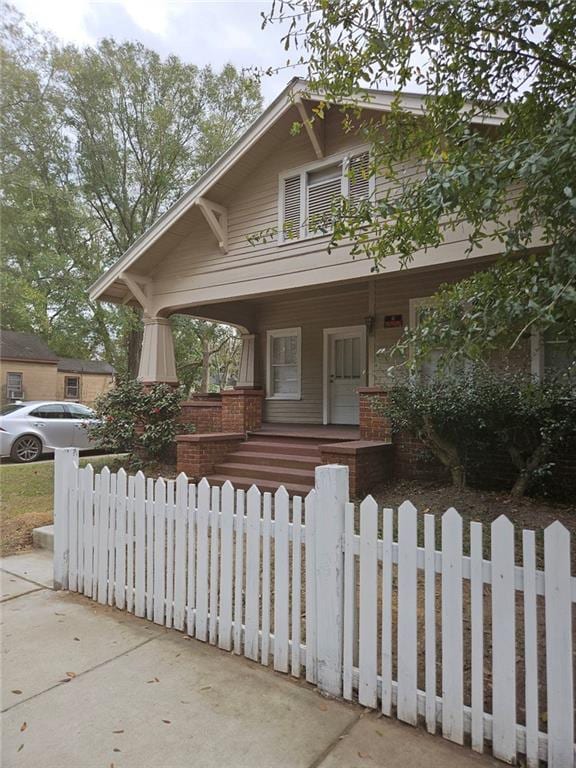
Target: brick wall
{"x": 204, "y": 412}
{"x": 369, "y": 463}
{"x": 373, "y": 426}
{"x": 241, "y": 410}
{"x": 196, "y": 454}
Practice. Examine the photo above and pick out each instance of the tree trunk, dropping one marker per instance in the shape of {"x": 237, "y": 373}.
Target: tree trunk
{"x": 135, "y": 349}
{"x": 446, "y": 452}
{"x": 526, "y": 476}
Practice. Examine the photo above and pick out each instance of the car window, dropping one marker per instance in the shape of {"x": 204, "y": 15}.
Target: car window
{"x": 80, "y": 411}
{"x": 11, "y": 408}
{"x": 50, "y": 411}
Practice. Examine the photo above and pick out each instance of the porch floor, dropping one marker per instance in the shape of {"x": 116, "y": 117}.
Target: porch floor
{"x": 325, "y": 432}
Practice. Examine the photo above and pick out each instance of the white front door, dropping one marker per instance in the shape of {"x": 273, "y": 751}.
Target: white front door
{"x": 345, "y": 367}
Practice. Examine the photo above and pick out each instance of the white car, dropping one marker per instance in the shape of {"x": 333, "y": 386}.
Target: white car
{"x": 27, "y": 430}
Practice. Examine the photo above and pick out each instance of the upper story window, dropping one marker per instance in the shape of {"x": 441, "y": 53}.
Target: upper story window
{"x": 307, "y": 195}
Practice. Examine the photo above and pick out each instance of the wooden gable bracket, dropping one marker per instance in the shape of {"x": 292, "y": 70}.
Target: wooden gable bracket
{"x": 137, "y": 288}
{"x": 314, "y": 127}
{"x": 217, "y": 218}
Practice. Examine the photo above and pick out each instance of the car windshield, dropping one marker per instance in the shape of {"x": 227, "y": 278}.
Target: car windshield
{"x": 10, "y": 408}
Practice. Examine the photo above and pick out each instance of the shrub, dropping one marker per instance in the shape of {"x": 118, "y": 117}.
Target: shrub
{"x": 137, "y": 418}
{"x": 460, "y": 415}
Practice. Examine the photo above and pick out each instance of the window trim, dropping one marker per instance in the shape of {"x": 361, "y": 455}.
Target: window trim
{"x": 273, "y": 334}
{"x": 301, "y": 171}
{"x": 66, "y": 395}
{"x": 20, "y": 394}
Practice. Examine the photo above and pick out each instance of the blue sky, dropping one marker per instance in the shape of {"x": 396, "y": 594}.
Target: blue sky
{"x": 200, "y": 31}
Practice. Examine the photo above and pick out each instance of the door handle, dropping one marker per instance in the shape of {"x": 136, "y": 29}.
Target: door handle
{"x": 39, "y": 424}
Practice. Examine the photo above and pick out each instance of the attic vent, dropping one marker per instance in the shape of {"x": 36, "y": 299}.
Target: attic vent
{"x": 291, "y": 219}
{"x": 324, "y": 188}
{"x": 359, "y": 178}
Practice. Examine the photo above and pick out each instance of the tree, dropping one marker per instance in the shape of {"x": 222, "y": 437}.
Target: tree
{"x": 106, "y": 138}
{"x": 514, "y": 183}
{"x": 207, "y": 353}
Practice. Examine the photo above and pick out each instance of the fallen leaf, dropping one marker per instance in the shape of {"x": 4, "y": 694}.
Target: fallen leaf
{"x": 379, "y": 733}
{"x": 167, "y": 722}
{"x": 116, "y": 749}
{"x": 117, "y": 731}
{"x": 20, "y": 748}
{"x": 206, "y": 688}
{"x": 23, "y": 727}
{"x": 323, "y": 707}
{"x": 156, "y": 680}
{"x": 363, "y": 755}
{"x": 77, "y": 639}
{"x": 17, "y": 691}
{"x": 71, "y": 674}
{"x": 65, "y": 680}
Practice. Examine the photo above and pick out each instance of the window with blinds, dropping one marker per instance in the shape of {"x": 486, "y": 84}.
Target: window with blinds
{"x": 308, "y": 197}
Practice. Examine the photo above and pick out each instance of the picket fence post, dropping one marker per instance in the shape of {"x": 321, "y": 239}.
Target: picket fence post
{"x": 332, "y": 494}
{"x": 64, "y": 460}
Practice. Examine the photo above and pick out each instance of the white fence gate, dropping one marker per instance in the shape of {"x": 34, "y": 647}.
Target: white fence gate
{"x": 479, "y": 648}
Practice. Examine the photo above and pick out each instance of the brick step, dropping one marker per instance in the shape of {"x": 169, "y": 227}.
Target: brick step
{"x": 254, "y": 458}
{"x": 280, "y": 446}
{"x": 294, "y": 489}
{"x": 271, "y": 437}
{"x": 278, "y": 475}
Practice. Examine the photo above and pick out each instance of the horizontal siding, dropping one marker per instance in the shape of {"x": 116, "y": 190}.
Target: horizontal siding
{"x": 340, "y": 306}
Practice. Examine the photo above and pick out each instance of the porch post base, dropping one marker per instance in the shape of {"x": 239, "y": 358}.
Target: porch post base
{"x": 373, "y": 425}
{"x": 242, "y": 409}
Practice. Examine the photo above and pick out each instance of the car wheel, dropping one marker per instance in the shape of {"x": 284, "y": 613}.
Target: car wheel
{"x": 26, "y": 448}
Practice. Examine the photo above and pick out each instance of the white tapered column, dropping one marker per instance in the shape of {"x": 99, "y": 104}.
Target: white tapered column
{"x": 157, "y": 361}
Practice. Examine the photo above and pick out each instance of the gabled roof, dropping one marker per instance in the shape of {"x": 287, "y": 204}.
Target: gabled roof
{"x": 18, "y": 345}
{"x": 74, "y": 365}
{"x": 378, "y": 100}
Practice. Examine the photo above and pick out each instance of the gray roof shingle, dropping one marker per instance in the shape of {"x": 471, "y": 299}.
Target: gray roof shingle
{"x": 17, "y": 345}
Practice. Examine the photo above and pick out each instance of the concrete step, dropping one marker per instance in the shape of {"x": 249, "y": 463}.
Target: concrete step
{"x": 294, "y": 489}
{"x": 273, "y": 460}
{"x": 43, "y": 537}
{"x": 280, "y": 475}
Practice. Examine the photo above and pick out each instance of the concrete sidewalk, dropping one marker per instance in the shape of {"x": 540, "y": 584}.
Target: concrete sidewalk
{"x": 87, "y": 686}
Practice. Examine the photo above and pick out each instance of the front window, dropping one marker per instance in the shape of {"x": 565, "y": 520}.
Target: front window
{"x": 14, "y": 389}
{"x": 551, "y": 354}
{"x": 72, "y": 387}
{"x": 283, "y": 375}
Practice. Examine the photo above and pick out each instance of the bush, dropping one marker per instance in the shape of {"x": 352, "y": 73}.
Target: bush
{"x": 478, "y": 411}
{"x": 138, "y": 419}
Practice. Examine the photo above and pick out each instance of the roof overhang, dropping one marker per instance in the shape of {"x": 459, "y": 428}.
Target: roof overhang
{"x": 297, "y": 89}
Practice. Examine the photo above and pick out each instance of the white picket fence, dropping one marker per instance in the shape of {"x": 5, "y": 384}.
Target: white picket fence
{"x": 415, "y": 632}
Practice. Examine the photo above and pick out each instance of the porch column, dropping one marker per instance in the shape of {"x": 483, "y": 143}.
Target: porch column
{"x": 157, "y": 361}
{"x": 246, "y": 371}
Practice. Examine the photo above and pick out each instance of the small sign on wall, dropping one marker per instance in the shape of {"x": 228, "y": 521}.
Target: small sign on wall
{"x": 393, "y": 321}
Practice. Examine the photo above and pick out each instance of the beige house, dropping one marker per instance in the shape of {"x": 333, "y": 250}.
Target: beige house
{"x": 29, "y": 370}
{"x": 311, "y": 321}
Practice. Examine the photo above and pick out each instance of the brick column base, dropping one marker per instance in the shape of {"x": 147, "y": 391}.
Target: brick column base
{"x": 241, "y": 409}
{"x": 373, "y": 426}
{"x": 196, "y": 455}
{"x": 369, "y": 463}
{"x": 203, "y": 412}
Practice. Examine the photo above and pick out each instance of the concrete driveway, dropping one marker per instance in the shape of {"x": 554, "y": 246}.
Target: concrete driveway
{"x": 86, "y": 686}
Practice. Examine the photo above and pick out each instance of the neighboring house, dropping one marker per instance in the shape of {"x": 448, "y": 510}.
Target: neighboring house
{"x": 29, "y": 370}
{"x": 311, "y": 321}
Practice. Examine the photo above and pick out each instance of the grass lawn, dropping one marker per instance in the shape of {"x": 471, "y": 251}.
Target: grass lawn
{"x": 26, "y": 492}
